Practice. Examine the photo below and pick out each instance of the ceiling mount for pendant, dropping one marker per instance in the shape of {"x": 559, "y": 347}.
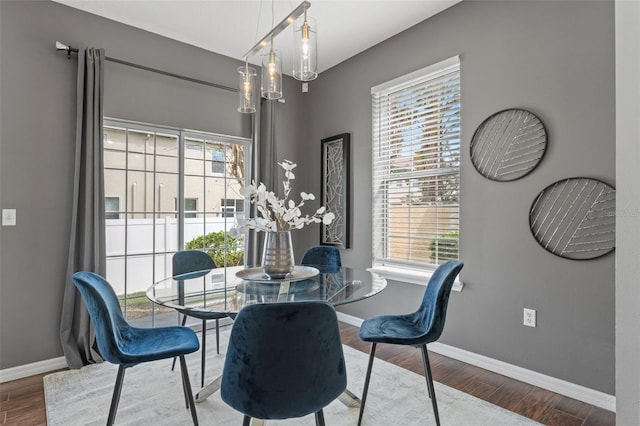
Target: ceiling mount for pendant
{"x": 305, "y": 61}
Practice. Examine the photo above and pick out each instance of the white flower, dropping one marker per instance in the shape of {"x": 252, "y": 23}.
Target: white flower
{"x": 246, "y": 191}
{"x": 328, "y": 218}
{"x": 276, "y": 214}
{"x": 288, "y": 165}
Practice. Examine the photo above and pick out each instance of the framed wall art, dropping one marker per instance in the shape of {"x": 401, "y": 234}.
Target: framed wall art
{"x": 335, "y": 190}
{"x": 508, "y": 145}
{"x": 575, "y": 218}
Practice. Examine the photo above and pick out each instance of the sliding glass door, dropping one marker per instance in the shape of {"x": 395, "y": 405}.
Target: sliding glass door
{"x": 167, "y": 189}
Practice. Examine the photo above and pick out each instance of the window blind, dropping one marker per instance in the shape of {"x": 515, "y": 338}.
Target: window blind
{"x": 416, "y": 167}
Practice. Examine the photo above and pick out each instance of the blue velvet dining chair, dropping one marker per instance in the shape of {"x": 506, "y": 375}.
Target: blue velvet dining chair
{"x": 414, "y": 329}
{"x": 325, "y": 258}
{"x": 187, "y": 262}
{"x": 284, "y": 360}
{"x": 124, "y": 345}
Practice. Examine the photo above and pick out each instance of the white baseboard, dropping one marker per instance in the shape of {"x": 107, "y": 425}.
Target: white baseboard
{"x": 22, "y": 371}
{"x": 571, "y": 390}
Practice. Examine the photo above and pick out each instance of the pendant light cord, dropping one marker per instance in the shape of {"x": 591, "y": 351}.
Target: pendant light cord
{"x": 258, "y": 22}
{"x": 273, "y": 2}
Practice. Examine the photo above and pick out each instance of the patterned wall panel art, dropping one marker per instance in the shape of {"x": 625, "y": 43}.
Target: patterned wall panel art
{"x": 575, "y": 218}
{"x": 335, "y": 190}
{"x": 508, "y": 145}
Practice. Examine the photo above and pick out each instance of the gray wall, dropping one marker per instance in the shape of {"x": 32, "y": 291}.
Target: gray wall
{"x": 37, "y": 137}
{"x": 557, "y": 60}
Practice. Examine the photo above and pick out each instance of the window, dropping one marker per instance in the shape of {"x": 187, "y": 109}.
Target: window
{"x": 229, "y": 207}
{"x": 217, "y": 160}
{"x": 162, "y": 187}
{"x": 112, "y": 207}
{"x": 416, "y": 167}
{"x": 190, "y": 207}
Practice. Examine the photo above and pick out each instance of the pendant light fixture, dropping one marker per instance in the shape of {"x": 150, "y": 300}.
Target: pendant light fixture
{"x": 246, "y": 92}
{"x": 305, "y": 49}
{"x": 305, "y": 62}
{"x": 271, "y": 87}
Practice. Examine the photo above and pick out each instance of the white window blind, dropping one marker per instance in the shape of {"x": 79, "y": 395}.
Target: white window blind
{"x": 416, "y": 167}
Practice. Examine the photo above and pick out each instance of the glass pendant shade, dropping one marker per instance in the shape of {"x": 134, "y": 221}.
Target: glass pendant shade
{"x": 305, "y": 49}
{"x": 246, "y": 92}
{"x": 271, "y": 87}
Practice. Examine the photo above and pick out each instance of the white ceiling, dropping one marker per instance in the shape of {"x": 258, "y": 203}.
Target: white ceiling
{"x": 232, "y": 27}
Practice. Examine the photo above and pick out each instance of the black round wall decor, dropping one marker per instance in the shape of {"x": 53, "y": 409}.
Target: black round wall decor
{"x": 575, "y": 218}
{"x": 508, "y": 145}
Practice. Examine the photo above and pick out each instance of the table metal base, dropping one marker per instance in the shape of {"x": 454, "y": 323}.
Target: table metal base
{"x": 347, "y": 397}
{"x": 209, "y": 389}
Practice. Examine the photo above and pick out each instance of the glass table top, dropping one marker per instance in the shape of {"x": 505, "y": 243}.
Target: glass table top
{"x": 222, "y": 291}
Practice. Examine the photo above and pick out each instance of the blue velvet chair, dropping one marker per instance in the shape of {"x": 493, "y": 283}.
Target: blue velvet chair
{"x": 284, "y": 360}
{"x": 124, "y": 345}
{"x": 415, "y": 329}
{"x": 325, "y": 258}
{"x": 186, "y": 262}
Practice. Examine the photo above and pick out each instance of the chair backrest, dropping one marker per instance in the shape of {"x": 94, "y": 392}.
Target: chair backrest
{"x": 106, "y": 316}
{"x": 186, "y": 261}
{"x": 284, "y": 360}
{"x": 433, "y": 310}
{"x": 327, "y": 257}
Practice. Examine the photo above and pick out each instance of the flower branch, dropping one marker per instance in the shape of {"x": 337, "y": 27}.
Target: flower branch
{"x": 276, "y": 214}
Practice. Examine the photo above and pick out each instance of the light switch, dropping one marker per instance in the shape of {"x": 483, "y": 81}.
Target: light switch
{"x": 8, "y": 217}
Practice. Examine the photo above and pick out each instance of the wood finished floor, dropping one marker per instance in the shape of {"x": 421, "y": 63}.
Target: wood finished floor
{"x": 22, "y": 401}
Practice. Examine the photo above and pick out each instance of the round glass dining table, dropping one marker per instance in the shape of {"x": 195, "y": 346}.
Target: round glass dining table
{"x": 228, "y": 290}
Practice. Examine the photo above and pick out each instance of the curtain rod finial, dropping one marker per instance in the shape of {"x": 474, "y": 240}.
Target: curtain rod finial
{"x": 61, "y": 46}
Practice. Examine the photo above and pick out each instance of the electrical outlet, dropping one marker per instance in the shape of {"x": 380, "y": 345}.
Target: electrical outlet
{"x": 529, "y": 317}
{"x": 8, "y": 217}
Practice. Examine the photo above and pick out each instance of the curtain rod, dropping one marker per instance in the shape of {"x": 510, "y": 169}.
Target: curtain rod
{"x": 70, "y": 50}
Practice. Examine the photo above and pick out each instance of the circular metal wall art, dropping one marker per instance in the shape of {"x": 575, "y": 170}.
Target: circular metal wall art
{"x": 508, "y": 145}
{"x": 575, "y": 218}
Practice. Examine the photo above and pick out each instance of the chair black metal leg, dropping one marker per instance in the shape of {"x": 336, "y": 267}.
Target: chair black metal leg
{"x": 204, "y": 351}
{"x": 187, "y": 390}
{"x": 115, "y": 399}
{"x": 432, "y": 391}
{"x": 424, "y": 366}
{"x": 217, "y": 336}
{"x": 320, "y": 418}
{"x": 184, "y": 321}
{"x": 366, "y": 382}
{"x": 246, "y": 421}
{"x": 184, "y": 390}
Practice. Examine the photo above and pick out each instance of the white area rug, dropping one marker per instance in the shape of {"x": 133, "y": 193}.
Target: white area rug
{"x": 152, "y": 395}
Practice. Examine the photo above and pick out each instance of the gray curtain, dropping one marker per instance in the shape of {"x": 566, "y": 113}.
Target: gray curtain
{"x": 265, "y": 167}
{"x": 87, "y": 250}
